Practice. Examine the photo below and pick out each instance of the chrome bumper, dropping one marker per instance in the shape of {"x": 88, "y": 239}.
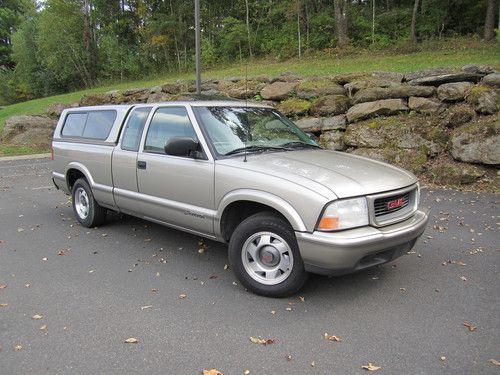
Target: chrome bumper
{"x": 334, "y": 253}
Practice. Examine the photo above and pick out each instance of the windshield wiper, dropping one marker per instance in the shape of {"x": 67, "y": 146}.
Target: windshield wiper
{"x": 299, "y": 144}
{"x": 254, "y": 148}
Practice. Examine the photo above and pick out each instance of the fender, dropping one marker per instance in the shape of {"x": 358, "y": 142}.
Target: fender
{"x": 262, "y": 197}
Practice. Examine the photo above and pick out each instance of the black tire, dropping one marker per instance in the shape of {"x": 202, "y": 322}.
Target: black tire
{"x": 266, "y": 222}
{"x": 95, "y": 214}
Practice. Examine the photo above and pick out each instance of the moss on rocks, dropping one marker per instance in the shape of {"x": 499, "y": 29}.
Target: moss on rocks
{"x": 294, "y": 107}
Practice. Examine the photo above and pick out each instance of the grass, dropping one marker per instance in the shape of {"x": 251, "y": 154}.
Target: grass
{"x": 7, "y": 150}
{"x": 326, "y": 64}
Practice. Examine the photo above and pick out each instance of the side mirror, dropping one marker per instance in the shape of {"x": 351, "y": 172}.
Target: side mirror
{"x": 183, "y": 146}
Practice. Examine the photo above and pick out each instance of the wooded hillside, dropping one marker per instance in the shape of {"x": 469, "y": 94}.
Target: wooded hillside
{"x": 54, "y": 46}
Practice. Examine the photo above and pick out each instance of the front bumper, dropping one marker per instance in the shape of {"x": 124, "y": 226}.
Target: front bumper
{"x": 334, "y": 253}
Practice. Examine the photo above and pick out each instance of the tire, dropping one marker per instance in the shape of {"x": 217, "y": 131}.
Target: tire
{"x": 86, "y": 209}
{"x": 265, "y": 257}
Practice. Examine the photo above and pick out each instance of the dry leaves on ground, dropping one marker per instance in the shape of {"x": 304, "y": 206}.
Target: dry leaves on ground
{"x": 154, "y": 290}
{"x": 4, "y": 304}
{"x": 495, "y": 362}
{"x": 3, "y": 286}
{"x": 289, "y": 357}
{"x": 61, "y": 252}
{"x": 212, "y": 372}
{"x": 131, "y": 340}
{"x": 146, "y": 307}
{"x": 470, "y": 326}
{"x": 302, "y": 299}
{"x": 332, "y": 337}
{"x": 182, "y": 296}
{"x": 36, "y": 317}
{"x": 371, "y": 367}
{"x": 261, "y": 341}
{"x": 18, "y": 348}
{"x": 43, "y": 328}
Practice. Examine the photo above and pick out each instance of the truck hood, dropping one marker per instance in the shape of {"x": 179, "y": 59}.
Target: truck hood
{"x": 344, "y": 174}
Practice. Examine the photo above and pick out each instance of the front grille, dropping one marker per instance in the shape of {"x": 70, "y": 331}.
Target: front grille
{"x": 391, "y": 204}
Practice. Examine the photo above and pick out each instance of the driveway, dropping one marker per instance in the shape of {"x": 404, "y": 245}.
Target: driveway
{"x": 91, "y": 289}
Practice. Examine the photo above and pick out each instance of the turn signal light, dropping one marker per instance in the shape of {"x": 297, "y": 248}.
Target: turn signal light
{"x": 329, "y": 223}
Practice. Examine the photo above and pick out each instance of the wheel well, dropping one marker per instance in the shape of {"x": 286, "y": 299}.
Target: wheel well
{"x": 238, "y": 211}
{"x": 71, "y": 176}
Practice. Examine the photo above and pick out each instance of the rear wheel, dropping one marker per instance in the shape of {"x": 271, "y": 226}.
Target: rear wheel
{"x": 86, "y": 209}
{"x": 265, "y": 257}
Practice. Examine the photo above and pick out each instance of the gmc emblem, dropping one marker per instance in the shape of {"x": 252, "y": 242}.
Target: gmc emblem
{"x": 395, "y": 203}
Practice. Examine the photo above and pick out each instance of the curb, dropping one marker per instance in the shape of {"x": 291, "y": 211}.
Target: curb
{"x": 24, "y": 157}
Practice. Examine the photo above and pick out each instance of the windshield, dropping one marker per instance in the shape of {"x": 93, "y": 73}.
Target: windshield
{"x": 247, "y": 129}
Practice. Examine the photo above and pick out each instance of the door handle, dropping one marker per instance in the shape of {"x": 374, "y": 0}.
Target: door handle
{"x": 141, "y": 165}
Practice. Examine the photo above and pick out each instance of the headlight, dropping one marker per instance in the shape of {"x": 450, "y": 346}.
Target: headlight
{"x": 344, "y": 214}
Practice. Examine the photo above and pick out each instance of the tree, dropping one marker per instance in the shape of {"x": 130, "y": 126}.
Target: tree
{"x": 489, "y": 23}
{"x": 413, "y": 32}
{"x": 340, "y": 10}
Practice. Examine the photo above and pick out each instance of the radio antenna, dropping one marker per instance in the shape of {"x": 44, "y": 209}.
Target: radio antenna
{"x": 246, "y": 105}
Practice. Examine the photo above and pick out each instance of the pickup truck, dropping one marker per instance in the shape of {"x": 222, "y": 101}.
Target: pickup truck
{"x": 241, "y": 174}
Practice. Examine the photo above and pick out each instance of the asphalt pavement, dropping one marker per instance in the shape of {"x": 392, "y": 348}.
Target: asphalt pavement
{"x": 71, "y": 296}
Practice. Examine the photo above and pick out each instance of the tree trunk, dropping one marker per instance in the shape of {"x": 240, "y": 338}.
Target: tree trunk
{"x": 340, "y": 9}
{"x": 373, "y": 21}
{"x": 248, "y": 28}
{"x": 489, "y": 23}
{"x": 413, "y": 34}
{"x": 298, "y": 28}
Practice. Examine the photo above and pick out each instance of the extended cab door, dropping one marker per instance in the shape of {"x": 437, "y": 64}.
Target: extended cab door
{"x": 124, "y": 161}
{"x": 178, "y": 191}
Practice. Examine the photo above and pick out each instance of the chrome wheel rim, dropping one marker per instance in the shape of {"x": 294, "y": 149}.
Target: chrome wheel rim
{"x": 82, "y": 203}
{"x": 267, "y": 258}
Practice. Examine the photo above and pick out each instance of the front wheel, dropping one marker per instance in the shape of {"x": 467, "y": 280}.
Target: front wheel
{"x": 265, "y": 257}
{"x": 86, "y": 209}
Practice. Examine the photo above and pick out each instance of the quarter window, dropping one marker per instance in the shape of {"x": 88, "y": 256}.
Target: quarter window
{"x": 133, "y": 130}
{"x": 167, "y": 122}
{"x": 74, "y": 124}
{"x": 92, "y": 124}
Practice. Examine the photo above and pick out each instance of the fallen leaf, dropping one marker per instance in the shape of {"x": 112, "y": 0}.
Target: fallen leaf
{"x": 104, "y": 235}
{"x": 91, "y": 271}
{"x": 289, "y": 357}
{"x": 212, "y": 372}
{"x": 258, "y": 340}
{"x": 131, "y": 340}
{"x": 288, "y": 309}
{"x": 201, "y": 247}
{"x": 302, "y": 299}
{"x": 146, "y": 307}
{"x": 495, "y": 362}
{"x": 18, "y": 348}
{"x": 37, "y": 317}
{"x": 147, "y": 239}
{"x": 235, "y": 283}
{"x": 402, "y": 289}
{"x": 3, "y": 286}
{"x": 4, "y": 304}
{"x": 442, "y": 358}
{"x": 471, "y": 327}
{"x": 45, "y": 259}
{"x": 43, "y": 328}
{"x": 371, "y": 367}
{"x": 61, "y": 252}
{"x": 157, "y": 274}
{"x": 246, "y": 372}
{"x": 213, "y": 277}
{"x": 27, "y": 285}
{"x": 19, "y": 230}
{"x": 312, "y": 364}
{"x": 226, "y": 267}
{"x": 182, "y": 296}
{"x": 154, "y": 290}
{"x": 332, "y": 337}
{"x": 463, "y": 278}
{"x": 273, "y": 312}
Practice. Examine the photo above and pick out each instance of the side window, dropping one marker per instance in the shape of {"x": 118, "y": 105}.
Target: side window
{"x": 99, "y": 124}
{"x": 74, "y": 124}
{"x": 133, "y": 130}
{"x": 167, "y": 122}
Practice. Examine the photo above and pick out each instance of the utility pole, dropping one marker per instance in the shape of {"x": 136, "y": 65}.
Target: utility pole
{"x": 197, "y": 42}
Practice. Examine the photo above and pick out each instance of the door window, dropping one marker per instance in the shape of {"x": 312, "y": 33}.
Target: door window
{"x": 133, "y": 130}
{"x": 167, "y": 122}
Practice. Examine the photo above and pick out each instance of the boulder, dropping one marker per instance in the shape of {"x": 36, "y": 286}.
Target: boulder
{"x": 356, "y": 85}
{"x": 484, "y": 99}
{"x": 479, "y": 69}
{"x": 389, "y": 76}
{"x": 425, "y": 105}
{"x": 332, "y": 140}
{"x": 241, "y": 89}
{"x": 155, "y": 89}
{"x": 413, "y": 160}
{"x": 316, "y": 124}
{"x": 450, "y": 92}
{"x": 313, "y": 88}
{"x": 377, "y": 108}
{"x": 399, "y": 132}
{"x": 427, "y": 73}
{"x": 396, "y": 92}
{"x": 445, "y": 171}
{"x": 294, "y": 107}
{"x": 287, "y": 77}
{"x": 170, "y": 88}
{"x": 159, "y": 97}
{"x": 330, "y": 105}
{"x": 278, "y": 90}
{"x": 134, "y": 92}
{"x": 446, "y": 78}
{"x": 55, "y": 110}
{"x": 344, "y": 78}
{"x": 459, "y": 114}
{"x": 95, "y": 99}
{"x": 477, "y": 142}
{"x": 32, "y": 131}
{"x": 492, "y": 79}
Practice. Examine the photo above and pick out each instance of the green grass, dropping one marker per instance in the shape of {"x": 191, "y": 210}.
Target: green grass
{"x": 7, "y": 150}
{"x": 328, "y": 64}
